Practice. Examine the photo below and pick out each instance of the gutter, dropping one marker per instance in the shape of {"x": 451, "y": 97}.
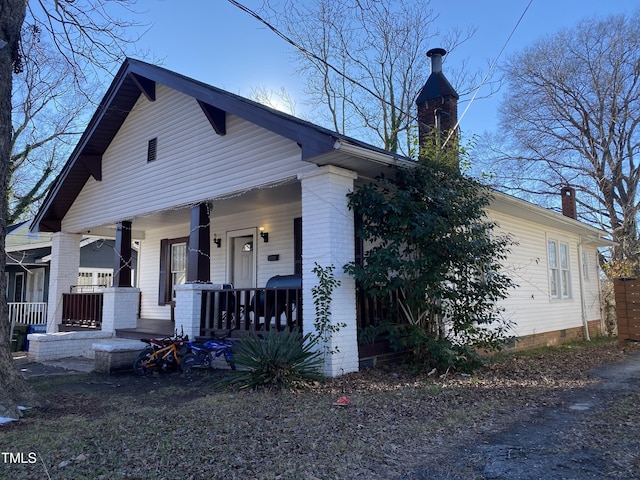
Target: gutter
{"x": 382, "y": 158}
{"x": 583, "y": 305}
{"x": 597, "y": 240}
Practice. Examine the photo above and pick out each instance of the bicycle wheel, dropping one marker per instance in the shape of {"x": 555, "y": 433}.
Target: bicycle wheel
{"x": 143, "y": 365}
{"x": 187, "y": 362}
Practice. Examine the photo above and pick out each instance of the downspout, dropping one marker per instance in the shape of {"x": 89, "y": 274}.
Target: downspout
{"x": 583, "y": 305}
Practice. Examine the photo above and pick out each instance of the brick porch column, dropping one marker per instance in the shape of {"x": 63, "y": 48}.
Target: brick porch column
{"x": 328, "y": 239}
{"x": 119, "y": 308}
{"x": 189, "y": 307}
{"x": 63, "y": 273}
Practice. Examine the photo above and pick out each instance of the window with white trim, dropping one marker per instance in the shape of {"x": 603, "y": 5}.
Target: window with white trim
{"x": 93, "y": 279}
{"x": 559, "y": 269}
{"x": 173, "y": 268}
{"x": 586, "y": 274}
{"x": 178, "y": 265}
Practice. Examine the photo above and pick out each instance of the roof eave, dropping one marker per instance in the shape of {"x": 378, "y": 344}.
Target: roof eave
{"x": 85, "y": 160}
{"x": 505, "y": 203}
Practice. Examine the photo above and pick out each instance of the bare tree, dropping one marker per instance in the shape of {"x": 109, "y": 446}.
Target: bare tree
{"x": 364, "y": 61}
{"x": 571, "y": 117}
{"x": 277, "y": 99}
{"x": 46, "y": 113}
{"x": 89, "y": 39}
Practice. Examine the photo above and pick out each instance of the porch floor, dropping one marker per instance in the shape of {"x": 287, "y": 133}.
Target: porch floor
{"x": 148, "y": 328}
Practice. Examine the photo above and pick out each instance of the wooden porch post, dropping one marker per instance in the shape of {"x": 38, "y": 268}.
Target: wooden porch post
{"x": 122, "y": 259}
{"x": 199, "y": 249}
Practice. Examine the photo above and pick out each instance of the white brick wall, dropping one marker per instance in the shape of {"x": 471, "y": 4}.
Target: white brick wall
{"x": 188, "y": 307}
{"x": 119, "y": 308}
{"x": 53, "y": 346}
{"x": 328, "y": 239}
{"x": 65, "y": 262}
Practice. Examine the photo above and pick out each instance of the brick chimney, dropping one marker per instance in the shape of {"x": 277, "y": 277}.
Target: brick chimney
{"x": 437, "y": 103}
{"x": 569, "y": 202}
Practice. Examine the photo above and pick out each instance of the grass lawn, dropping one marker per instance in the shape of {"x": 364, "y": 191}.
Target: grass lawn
{"x": 120, "y": 426}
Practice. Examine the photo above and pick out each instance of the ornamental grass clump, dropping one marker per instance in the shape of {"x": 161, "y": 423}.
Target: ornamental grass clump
{"x": 272, "y": 359}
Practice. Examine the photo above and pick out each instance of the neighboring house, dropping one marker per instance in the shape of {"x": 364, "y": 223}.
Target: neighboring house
{"x": 220, "y": 191}
{"x": 28, "y": 256}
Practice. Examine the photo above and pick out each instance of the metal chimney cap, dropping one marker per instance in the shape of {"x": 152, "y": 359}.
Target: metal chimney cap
{"x": 436, "y": 51}
{"x": 436, "y": 55}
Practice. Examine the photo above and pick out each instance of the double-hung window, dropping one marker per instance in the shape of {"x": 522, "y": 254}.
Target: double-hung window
{"x": 586, "y": 273}
{"x": 173, "y": 268}
{"x": 559, "y": 269}
{"x": 178, "y": 265}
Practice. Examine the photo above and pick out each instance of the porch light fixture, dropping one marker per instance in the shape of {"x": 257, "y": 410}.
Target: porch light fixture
{"x": 264, "y": 235}
{"x": 216, "y": 240}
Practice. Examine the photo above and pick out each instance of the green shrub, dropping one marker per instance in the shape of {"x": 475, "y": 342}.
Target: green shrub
{"x": 444, "y": 356}
{"x": 428, "y": 352}
{"x": 435, "y": 257}
{"x": 275, "y": 359}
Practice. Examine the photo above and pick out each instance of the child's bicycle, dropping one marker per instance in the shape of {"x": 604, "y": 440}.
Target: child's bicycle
{"x": 202, "y": 354}
{"x": 161, "y": 355}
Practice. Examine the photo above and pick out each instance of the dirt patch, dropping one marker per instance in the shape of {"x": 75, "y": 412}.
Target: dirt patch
{"x": 536, "y": 415}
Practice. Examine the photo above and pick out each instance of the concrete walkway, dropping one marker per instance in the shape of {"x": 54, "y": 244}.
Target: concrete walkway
{"x": 64, "y": 366}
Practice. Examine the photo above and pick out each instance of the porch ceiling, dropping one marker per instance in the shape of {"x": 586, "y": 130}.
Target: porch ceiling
{"x": 232, "y": 204}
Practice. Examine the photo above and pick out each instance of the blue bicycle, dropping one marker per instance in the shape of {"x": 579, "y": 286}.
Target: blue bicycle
{"x": 202, "y": 354}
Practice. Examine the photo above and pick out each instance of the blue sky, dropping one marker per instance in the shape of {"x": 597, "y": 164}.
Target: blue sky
{"x": 215, "y": 42}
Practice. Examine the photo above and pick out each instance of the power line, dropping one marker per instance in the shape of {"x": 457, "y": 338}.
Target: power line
{"x": 312, "y": 55}
{"x": 367, "y": 89}
{"x": 491, "y": 67}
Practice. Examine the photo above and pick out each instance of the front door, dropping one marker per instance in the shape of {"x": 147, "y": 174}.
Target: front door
{"x": 243, "y": 265}
{"x": 18, "y": 287}
{"x": 35, "y": 285}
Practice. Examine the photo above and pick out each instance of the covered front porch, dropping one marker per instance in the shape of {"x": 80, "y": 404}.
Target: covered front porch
{"x": 240, "y": 262}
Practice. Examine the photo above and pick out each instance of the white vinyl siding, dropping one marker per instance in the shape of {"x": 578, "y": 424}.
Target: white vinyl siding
{"x": 530, "y": 304}
{"x": 278, "y": 221}
{"x": 193, "y": 163}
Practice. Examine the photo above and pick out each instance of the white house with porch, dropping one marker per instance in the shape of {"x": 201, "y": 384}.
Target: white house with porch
{"x": 233, "y": 204}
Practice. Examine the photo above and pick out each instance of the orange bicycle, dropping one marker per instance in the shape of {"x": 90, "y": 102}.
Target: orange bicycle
{"x": 161, "y": 355}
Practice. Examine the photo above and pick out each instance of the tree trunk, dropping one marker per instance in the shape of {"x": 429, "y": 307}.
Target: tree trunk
{"x": 14, "y": 390}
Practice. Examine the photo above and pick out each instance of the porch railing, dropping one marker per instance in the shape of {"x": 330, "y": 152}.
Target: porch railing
{"x": 24, "y": 314}
{"x": 251, "y": 309}
{"x": 82, "y": 310}
{"x": 28, "y": 313}
{"x": 373, "y": 311}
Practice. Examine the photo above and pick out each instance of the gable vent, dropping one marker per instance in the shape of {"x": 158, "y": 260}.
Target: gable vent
{"x": 152, "y": 149}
